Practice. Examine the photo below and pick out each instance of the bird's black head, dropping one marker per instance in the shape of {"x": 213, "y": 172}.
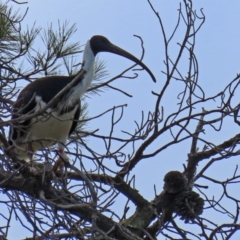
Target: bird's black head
{"x": 101, "y": 44}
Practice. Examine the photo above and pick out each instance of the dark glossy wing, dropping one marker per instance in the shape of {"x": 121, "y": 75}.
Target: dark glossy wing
{"x": 46, "y": 88}
{"x": 76, "y": 117}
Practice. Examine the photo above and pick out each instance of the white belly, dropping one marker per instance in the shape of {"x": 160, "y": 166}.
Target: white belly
{"x": 44, "y": 131}
{"x": 52, "y": 127}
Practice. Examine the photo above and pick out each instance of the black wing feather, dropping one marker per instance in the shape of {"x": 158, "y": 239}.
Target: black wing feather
{"x": 76, "y": 117}
{"x": 46, "y": 88}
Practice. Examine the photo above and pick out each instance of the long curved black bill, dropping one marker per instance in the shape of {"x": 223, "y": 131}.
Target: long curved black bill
{"x": 119, "y": 51}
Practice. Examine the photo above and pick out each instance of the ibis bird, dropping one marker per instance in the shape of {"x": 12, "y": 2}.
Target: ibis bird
{"x": 38, "y": 121}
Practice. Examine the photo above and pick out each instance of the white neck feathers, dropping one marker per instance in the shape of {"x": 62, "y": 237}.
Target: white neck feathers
{"x": 88, "y": 57}
{"x": 88, "y": 65}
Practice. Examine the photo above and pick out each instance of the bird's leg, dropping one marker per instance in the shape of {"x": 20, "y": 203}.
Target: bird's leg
{"x": 63, "y": 158}
{"x": 62, "y": 154}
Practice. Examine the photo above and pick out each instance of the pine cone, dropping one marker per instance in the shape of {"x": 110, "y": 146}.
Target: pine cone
{"x": 175, "y": 182}
{"x": 188, "y": 205}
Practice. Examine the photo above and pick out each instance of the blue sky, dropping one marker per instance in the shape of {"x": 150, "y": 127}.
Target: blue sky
{"x": 217, "y": 50}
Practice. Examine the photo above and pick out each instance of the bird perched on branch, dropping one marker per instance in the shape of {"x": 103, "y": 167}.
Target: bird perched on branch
{"x": 47, "y": 110}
